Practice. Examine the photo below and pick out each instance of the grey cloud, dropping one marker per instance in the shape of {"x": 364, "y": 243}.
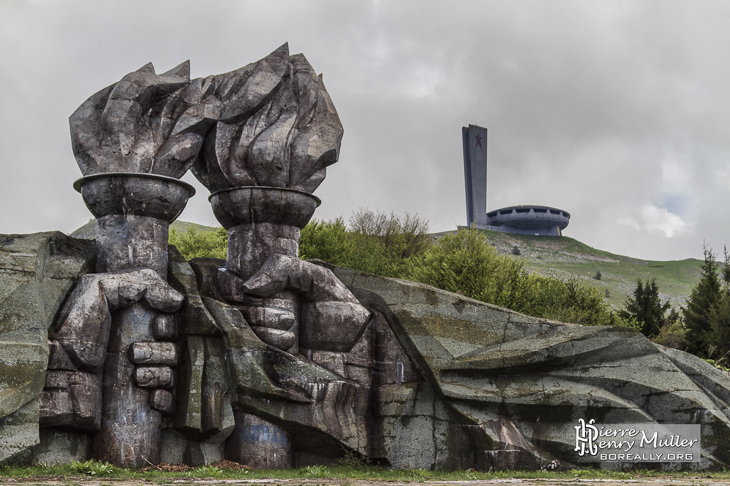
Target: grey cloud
{"x": 585, "y": 101}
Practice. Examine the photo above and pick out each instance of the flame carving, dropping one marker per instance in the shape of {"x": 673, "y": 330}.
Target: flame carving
{"x": 270, "y": 123}
{"x": 278, "y": 127}
{"x": 146, "y": 123}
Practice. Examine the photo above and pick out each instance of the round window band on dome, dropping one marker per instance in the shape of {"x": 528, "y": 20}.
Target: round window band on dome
{"x": 143, "y": 175}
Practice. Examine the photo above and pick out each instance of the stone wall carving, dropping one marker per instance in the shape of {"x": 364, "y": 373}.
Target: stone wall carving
{"x": 121, "y": 350}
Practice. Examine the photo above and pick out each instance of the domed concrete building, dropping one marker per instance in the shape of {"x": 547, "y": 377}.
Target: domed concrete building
{"x": 529, "y": 220}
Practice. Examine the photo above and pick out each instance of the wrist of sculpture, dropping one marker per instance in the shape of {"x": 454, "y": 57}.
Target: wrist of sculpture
{"x": 275, "y": 319}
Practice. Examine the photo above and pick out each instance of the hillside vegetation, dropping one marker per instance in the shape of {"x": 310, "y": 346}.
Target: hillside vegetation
{"x": 562, "y": 257}
{"x": 565, "y": 257}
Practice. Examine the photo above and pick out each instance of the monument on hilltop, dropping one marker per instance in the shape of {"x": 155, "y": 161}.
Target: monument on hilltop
{"x": 121, "y": 350}
{"x": 524, "y": 219}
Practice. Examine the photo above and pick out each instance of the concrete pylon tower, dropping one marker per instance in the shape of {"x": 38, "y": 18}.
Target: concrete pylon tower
{"x": 475, "y": 174}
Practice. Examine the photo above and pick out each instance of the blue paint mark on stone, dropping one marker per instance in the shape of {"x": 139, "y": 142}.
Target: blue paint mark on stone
{"x": 264, "y": 433}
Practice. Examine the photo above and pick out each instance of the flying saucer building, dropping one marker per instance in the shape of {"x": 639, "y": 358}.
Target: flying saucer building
{"x": 529, "y": 220}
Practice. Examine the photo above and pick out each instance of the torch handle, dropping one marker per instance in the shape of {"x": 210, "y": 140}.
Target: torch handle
{"x": 130, "y": 428}
{"x": 130, "y": 432}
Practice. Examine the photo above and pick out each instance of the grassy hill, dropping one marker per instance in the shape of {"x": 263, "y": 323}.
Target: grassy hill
{"x": 88, "y": 231}
{"x": 565, "y": 257}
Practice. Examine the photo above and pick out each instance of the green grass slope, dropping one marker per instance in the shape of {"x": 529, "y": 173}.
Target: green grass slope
{"x": 565, "y": 257}
{"x": 88, "y": 231}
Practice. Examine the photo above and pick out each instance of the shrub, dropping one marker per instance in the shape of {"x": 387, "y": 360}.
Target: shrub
{"x": 328, "y": 241}
{"x": 467, "y": 264}
{"x": 647, "y": 308}
{"x": 92, "y": 468}
{"x": 194, "y": 243}
{"x": 404, "y": 237}
{"x": 672, "y": 334}
{"x": 374, "y": 243}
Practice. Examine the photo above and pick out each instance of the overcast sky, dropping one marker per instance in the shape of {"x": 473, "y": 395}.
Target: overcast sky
{"x": 615, "y": 111}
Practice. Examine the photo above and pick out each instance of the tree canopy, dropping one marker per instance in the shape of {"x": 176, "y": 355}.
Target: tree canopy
{"x": 647, "y": 308}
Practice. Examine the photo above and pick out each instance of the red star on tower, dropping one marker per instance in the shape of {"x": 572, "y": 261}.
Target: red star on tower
{"x": 479, "y": 142}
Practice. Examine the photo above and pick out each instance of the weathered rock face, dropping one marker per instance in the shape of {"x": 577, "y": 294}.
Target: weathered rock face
{"x": 434, "y": 380}
{"x": 440, "y": 381}
{"x": 36, "y": 273}
{"x": 517, "y": 383}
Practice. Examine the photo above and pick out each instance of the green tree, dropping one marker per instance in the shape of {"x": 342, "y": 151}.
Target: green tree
{"x": 646, "y": 307}
{"x": 719, "y": 345}
{"x": 327, "y": 241}
{"x": 581, "y": 303}
{"x": 370, "y": 255}
{"x": 193, "y": 243}
{"x": 673, "y": 333}
{"x": 466, "y": 263}
{"x": 700, "y": 304}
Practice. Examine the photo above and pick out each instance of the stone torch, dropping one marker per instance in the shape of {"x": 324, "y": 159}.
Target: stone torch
{"x": 277, "y": 132}
{"x": 132, "y": 141}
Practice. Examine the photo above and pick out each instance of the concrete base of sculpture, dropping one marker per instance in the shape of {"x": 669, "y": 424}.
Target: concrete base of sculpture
{"x": 434, "y": 380}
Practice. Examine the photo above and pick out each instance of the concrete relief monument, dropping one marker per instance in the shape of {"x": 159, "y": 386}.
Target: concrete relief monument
{"x": 132, "y": 141}
{"x": 118, "y": 349}
{"x": 260, "y": 139}
{"x": 277, "y": 133}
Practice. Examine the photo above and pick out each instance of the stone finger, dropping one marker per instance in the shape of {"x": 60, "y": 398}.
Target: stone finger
{"x": 71, "y": 399}
{"x": 82, "y": 327}
{"x": 55, "y": 408}
{"x": 275, "y": 337}
{"x": 231, "y": 288}
{"x": 268, "y": 317}
{"x": 86, "y": 399}
{"x": 162, "y": 400}
{"x": 272, "y": 277}
{"x": 126, "y": 288}
{"x": 153, "y": 353}
{"x": 163, "y": 297}
{"x": 154, "y": 377}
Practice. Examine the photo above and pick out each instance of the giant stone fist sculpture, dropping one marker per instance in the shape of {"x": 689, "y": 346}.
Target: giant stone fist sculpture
{"x": 259, "y": 138}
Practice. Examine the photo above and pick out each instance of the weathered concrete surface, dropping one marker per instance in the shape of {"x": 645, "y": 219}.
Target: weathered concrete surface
{"x": 36, "y": 273}
{"x": 203, "y": 416}
{"x": 133, "y": 213}
{"x": 278, "y": 127}
{"x": 516, "y": 381}
{"x": 368, "y": 400}
{"x": 133, "y": 141}
{"x": 86, "y": 339}
{"x": 434, "y": 380}
{"x": 59, "y": 446}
